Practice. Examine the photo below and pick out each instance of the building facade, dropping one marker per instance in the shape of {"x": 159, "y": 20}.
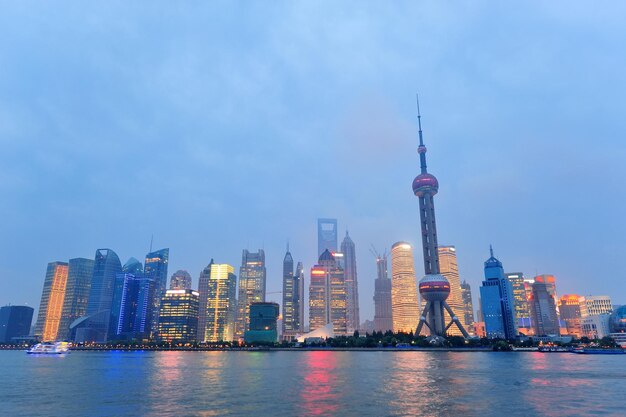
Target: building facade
{"x": 544, "y": 316}
{"x": 221, "y": 305}
{"x": 352, "y": 284}
{"x": 155, "y": 268}
{"x": 496, "y": 294}
{"x": 449, "y": 268}
{"x": 468, "y": 305}
{"x": 52, "y": 299}
{"x": 263, "y": 323}
{"x": 521, "y": 307}
{"x": 132, "y": 308}
{"x": 15, "y": 321}
{"x": 383, "y": 320}
{"x": 293, "y": 290}
{"x": 569, "y": 308}
{"x": 327, "y": 296}
{"x": 80, "y": 272}
{"x": 178, "y": 316}
{"x": 252, "y": 282}
{"x": 594, "y": 305}
{"x": 180, "y": 280}
{"x": 404, "y": 300}
{"x": 326, "y": 236}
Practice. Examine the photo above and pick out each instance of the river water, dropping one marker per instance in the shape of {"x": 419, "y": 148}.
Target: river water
{"x": 311, "y": 383}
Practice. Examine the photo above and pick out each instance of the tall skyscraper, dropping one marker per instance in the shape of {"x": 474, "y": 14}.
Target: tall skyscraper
{"x": 522, "y": 309}
{"x": 569, "y": 307}
{"x": 550, "y": 282}
{"x": 327, "y": 296}
{"x": 15, "y": 321}
{"x": 79, "y": 275}
{"x": 352, "y": 285}
{"x": 382, "y": 296}
{"x": 292, "y": 298}
{"x": 543, "y": 310}
{"x": 449, "y": 268}
{"x": 496, "y": 295}
{"x": 178, "y": 316}
{"x": 326, "y": 235}
{"x": 468, "y": 305}
{"x": 203, "y": 291}
{"x": 155, "y": 268}
{"x": 51, "y": 305}
{"x": 221, "y": 303}
{"x": 96, "y": 324}
{"x": 404, "y": 302}
{"x": 180, "y": 280}
{"x": 434, "y": 288}
{"x": 299, "y": 283}
{"x": 252, "y": 281}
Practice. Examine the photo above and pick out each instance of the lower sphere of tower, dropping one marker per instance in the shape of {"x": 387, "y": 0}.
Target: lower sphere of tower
{"x": 424, "y": 183}
{"x": 434, "y": 287}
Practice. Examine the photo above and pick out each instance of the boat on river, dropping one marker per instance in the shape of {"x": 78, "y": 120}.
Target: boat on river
{"x": 597, "y": 351}
{"x": 49, "y": 348}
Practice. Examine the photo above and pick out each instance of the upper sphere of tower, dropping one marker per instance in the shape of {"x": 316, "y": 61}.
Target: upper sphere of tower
{"x": 421, "y": 149}
{"x": 424, "y": 183}
{"x": 434, "y": 287}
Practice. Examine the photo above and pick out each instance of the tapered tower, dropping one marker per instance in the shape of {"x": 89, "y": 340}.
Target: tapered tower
{"x": 434, "y": 287}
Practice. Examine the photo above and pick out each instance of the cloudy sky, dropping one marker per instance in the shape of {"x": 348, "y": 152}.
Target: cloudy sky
{"x": 218, "y": 126}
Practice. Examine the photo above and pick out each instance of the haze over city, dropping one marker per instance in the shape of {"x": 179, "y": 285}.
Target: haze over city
{"x": 217, "y": 129}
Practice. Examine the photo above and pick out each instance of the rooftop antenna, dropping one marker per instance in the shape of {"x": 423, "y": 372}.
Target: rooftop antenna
{"x": 151, "y": 240}
{"x": 491, "y": 250}
{"x": 421, "y": 148}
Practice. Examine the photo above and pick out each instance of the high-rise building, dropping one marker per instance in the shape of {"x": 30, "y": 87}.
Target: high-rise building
{"x": 263, "y": 323}
{"x": 522, "y": 310}
{"x": 496, "y": 295}
{"x": 52, "y": 298}
{"x": 203, "y": 294}
{"x": 449, "y": 268}
{"x": 252, "y": 281}
{"x": 292, "y": 298}
{"x": 15, "y": 321}
{"x": 95, "y": 325}
{"x": 404, "y": 302}
{"x": 155, "y": 268}
{"x": 544, "y": 316}
{"x": 299, "y": 306}
{"x": 178, "y": 316}
{"x": 383, "y": 320}
{"x": 550, "y": 282}
{"x": 79, "y": 275}
{"x": 594, "y": 305}
{"x": 327, "y": 296}
{"x": 468, "y": 305}
{"x": 180, "y": 280}
{"x": 326, "y": 235}
{"x": 569, "y": 307}
{"x": 221, "y": 303}
{"x": 352, "y": 285}
{"x": 434, "y": 288}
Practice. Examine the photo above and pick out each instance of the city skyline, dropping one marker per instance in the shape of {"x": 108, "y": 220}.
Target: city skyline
{"x": 357, "y": 124}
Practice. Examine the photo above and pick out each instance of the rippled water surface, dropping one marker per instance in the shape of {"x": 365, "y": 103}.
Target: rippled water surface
{"x": 312, "y": 384}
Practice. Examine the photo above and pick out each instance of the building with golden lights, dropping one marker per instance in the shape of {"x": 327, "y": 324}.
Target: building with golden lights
{"x": 217, "y": 303}
{"x": 405, "y": 309}
{"x": 328, "y": 296}
{"x": 52, "y": 298}
{"x": 252, "y": 281}
{"x": 178, "y": 316}
{"x": 449, "y": 268}
{"x": 569, "y": 307}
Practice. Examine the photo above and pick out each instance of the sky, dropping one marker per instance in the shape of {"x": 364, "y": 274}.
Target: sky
{"x": 218, "y": 126}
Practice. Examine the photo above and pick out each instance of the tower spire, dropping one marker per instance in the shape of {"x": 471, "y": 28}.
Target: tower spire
{"x": 491, "y": 250}
{"x": 421, "y": 148}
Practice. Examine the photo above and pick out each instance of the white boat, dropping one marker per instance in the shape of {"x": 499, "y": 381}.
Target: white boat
{"x": 49, "y": 348}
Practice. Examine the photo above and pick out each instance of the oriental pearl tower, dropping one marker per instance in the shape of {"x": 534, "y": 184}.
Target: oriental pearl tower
{"x": 434, "y": 287}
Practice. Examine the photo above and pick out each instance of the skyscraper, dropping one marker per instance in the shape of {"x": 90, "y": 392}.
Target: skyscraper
{"x": 299, "y": 283}
{"x": 77, "y": 290}
{"x": 155, "y": 268}
{"x": 468, "y": 305}
{"x": 326, "y": 235}
{"x": 252, "y": 277}
{"x": 180, "y": 280}
{"x": 292, "y": 298}
{"x": 221, "y": 303}
{"x": 569, "y": 307}
{"x": 543, "y": 310}
{"x": 382, "y": 296}
{"x": 352, "y": 285}
{"x": 497, "y": 300}
{"x": 15, "y": 322}
{"x": 434, "y": 288}
{"x": 203, "y": 291}
{"x": 404, "y": 302}
{"x": 51, "y": 305}
{"x": 449, "y": 268}
{"x": 522, "y": 309}
{"x": 178, "y": 316}
{"x": 327, "y": 296}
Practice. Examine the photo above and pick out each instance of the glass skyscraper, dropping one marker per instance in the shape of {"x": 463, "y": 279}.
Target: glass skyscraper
{"x": 132, "y": 307}
{"x": 252, "y": 281}
{"x": 449, "y": 268}
{"x": 178, "y": 316}
{"x": 76, "y": 294}
{"x": 544, "y": 316}
{"x": 292, "y": 298}
{"x": 327, "y": 296}
{"x": 326, "y": 235}
{"x": 52, "y": 298}
{"x": 382, "y": 296}
{"x": 155, "y": 268}
{"x": 497, "y": 302}
{"x": 352, "y": 284}
{"x": 404, "y": 301}
{"x": 468, "y": 305}
{"x": 15, "y": 321}
{"x": 221, "y": 303}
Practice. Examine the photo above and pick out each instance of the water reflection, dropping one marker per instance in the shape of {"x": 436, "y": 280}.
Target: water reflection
{"x": 319, "y": 393}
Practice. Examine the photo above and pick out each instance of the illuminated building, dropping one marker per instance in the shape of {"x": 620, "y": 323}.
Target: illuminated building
{"x": 79, "y": 275}
{"x": 569, "y": 307}
{"x": 434, "y": 288}
{"x": 15, "y": 321}
{"x": 448, "y": 267}
{"x": 180, "y": 280}
{"x": 496, "y": 295}
{"x": 352, "y": 285}
{"x": 293, "y": 292}
{"x": 593, "y": 305}
{"x": 51, "y": 305}
{"x": 326, "y": 235}
{"x": 468, "y": 305}
{"x": 252, "y": 276}
{"x": 178, "y": 316}
{"x": 221, "y": 302}
{"x": 263, "y": 323}
{"x": 522, "y": 310}
{"x": 479, "y": 329}
{"x": 596, "y": 326}
{"x": 327, "y": 296}
{"x": 404, "y": 302}
{"x": 155, "y": 268}
{"x": 550, "y": 282}
{"x": 94, "y": 326}
{"x": 382, "y": 296}
{"x": 543, "y": 310}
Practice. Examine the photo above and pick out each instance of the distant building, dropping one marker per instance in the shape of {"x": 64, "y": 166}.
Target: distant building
{"x": 468, "y": 305}
{"x": 522, "y": 310}
{"x": 596, "y": 326}
{"x": 132, "y": 309}
{"x": 327, "y": 296}
{"x": 591, "y": 305}
{"x": 80, "y": 272}
{"x": 448, "y": 267}
{"x": 252, "y": 282}
{"x": 51, "y": 305}
{"x": 292, "y": 298}
{"x": 263, "y": 323}
{"x": 180, "y": 280}
{"x": 617, "y": 326}
{"x": 155, "y": 268}
{"x": 543, "y": 310}
{"x": 479, "y": 329}
{"x": 178, "y": 316}
{"x": 352, "y": 285}
{"x": 220, "y": 303}
{"x": 326, "y": 236}
{"x": 367, "y": 327}
{"x": 383, "y": 320}
{"x": 569, "y": 307}
{"x": 496, "y": 294}
{"x": 15, "y": 321}
{"x": 404, "y": 301}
